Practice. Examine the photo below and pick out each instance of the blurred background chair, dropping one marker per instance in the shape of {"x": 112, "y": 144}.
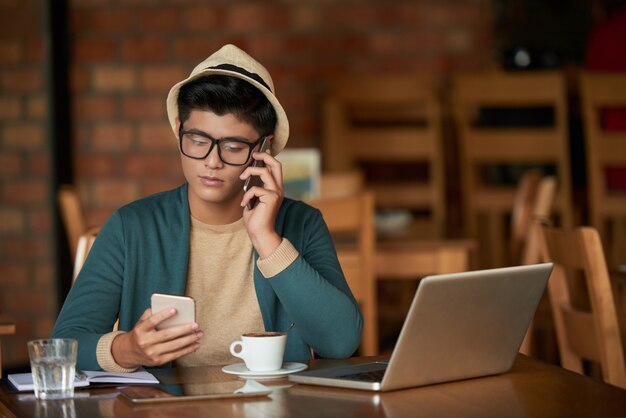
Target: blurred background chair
{"x": 72, "y": 215}
{"x": 390, "y": 127}
{"x": 506, "y": 124}
{"x": 350, "y": 220}
{"x": 603, "y": 98}
{"x": 341, "y": 183}
{"x": 586, "y": 330}
{"x": 536, "y": 197}
{"x": 85, "y": 242}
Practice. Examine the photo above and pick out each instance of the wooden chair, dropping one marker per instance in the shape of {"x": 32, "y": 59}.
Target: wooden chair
{"x": 341, "y": 183}
{"x": 85, "y": 242}
{"x": 583, "y": 334}
{"x": 540, "y": 210}
{"x": 605, "y": 149}
{"x": 71, "y": 215}
{"x": 353, "y": 217}
{"x": 485, "y": 205}
{"x": 390, "y": 126}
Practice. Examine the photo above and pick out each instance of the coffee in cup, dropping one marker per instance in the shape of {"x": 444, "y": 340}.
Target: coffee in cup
{"x": 261, "y": 351}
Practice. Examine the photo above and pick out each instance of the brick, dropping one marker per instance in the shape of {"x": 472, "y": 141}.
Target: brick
{"x": 144, "y": 49}
{"x": 144, "y": 108}
{"x": 11, "y": 52}
{"x": 149, "y": 187}
{"x": 95, "y": 166}
{"x": 28, "y": 249}
{"x": 22, "y": 81}
{"x": 157, "y": 136}
{"x": 203, "y": 18}
{"x": 10, "y": 163}
{"x": 36, "y": 108}
{"x": 196, "y": 49}
{"x": 23, "y": 136}
{"x": 13, "y": 274}
{"x": 11, "y": 220}
{"x": 146, "y": 165}
{"x": 10, "y": 108}
{"x": 35, "y": 51}
{"x": 93, "y": 108}
{"x": 39, "y": 164}
{"x": 40, "y": 220}
{"x": 161, "y": 78}
{"x": 44, "y": 276}
{"x": 34, "y": 301}
{"x": 79, "y": 79}
{"x": 160, "y": 20}
{"x": 114, "y": 193}
{"x": 114, "y": 79}
{"x": 44, "y": 325}
{"x": 94, "y": 50}
{"x": 24, "y": 22}
{"x": 77, "y": 4}
{"x": 26, "y": 191}
{"x": 113, "y": 21}
{"x": 112, "y": 137}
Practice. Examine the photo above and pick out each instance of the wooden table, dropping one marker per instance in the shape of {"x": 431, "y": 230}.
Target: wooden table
{"x": 531, "y": 389}
{"x": 7, "y": 327}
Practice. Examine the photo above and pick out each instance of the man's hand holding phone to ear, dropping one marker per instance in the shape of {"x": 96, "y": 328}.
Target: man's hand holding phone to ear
{"x": 263, "y": 195}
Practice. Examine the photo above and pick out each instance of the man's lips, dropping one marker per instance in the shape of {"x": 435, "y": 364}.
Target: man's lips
{"x": 211, "y": 181}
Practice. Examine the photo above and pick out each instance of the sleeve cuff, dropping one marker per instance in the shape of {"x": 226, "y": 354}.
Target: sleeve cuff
{"x": 105, "y": 357}
{"x": 279, "y": 260}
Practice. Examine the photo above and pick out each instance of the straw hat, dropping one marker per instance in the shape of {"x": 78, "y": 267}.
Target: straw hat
{"x": 234, "y": 62}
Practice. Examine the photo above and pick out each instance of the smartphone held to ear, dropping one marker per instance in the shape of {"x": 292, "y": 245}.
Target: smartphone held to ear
{"x": 185, "y": 309}
{"x": 256, "y": 180}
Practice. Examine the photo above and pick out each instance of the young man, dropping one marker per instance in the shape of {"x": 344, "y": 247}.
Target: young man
{"x": 265, "y": 268}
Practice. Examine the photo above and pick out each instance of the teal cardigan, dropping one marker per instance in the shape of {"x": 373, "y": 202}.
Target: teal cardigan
{"x": 143, "y": 248}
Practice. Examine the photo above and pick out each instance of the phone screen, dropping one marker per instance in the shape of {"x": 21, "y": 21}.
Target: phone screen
{"x": 256, "y": 180}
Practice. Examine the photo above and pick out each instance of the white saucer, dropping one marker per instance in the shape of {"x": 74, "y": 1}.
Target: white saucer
{"x": 241, "y": 370}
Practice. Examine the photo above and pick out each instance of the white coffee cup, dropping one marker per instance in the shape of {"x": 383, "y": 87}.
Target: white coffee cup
{"x": 261, "y": 351}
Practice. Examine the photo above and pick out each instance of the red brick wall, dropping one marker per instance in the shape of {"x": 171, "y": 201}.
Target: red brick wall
{"x": 125, "y": 56}
{"x": 27, "y": 287}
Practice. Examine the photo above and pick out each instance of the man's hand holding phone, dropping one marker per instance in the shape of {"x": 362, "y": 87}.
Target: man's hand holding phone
{"x": 263, "y": 195}
{"x": 150, "y": 344}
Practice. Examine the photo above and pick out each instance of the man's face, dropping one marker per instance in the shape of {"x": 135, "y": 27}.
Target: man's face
{"x": 212, "y": 183}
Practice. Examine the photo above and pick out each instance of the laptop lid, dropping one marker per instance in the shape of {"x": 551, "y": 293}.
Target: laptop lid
{"x": 459, "y": 326}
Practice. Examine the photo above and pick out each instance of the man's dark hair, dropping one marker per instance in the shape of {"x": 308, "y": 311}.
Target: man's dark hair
{"x": 221, "y": 95}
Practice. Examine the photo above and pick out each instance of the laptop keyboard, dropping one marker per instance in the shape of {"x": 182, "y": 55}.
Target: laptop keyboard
{"x": 373, "y": 376}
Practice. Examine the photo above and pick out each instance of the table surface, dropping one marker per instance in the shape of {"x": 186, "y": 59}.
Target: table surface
{"x": 530, "y": 389}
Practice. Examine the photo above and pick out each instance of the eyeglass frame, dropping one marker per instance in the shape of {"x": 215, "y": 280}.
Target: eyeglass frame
{"x": 217, "y": 142}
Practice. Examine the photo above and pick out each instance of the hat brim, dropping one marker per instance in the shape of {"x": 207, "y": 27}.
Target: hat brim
{"x": 281, "y": 131}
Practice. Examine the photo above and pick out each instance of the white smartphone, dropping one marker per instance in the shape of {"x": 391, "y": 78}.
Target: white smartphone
{"x": 256, "y": 180}
{"x": 184, "y": 305}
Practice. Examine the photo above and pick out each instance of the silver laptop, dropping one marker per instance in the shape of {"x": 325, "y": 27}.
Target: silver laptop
{"x": 459, "y": 326}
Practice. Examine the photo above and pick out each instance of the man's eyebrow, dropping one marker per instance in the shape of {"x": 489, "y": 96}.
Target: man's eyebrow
{"x": 229, "y": 138}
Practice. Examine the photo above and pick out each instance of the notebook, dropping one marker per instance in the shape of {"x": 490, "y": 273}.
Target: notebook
{"x": 24, "y": 381}
{"x": 459, "y": 326}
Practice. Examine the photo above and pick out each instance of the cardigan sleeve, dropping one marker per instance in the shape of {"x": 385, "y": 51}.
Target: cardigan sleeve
{"x": 315, "y": 294}
{"x": 92, "y": 305}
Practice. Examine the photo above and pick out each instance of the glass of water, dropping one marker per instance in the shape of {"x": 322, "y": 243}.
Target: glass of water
{"x": 53, "y": 365}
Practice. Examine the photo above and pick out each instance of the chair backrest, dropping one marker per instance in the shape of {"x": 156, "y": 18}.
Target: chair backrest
{"x": 390, "y": 126}
{"x": 85, "y": 241}
{"x": 71, "y": 215}
{"x": 541, "y": 210}
{"x": 582, "y": 334}
{"x": 522, "y": 213}
{"x": 350, "y": 220}
{"x": 532, "y": 132}
{"x": 341, "y": 183}
{"x": 606, "y": 151}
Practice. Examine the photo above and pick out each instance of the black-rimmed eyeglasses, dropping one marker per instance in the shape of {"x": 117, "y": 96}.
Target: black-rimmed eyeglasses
{"x": 198, "y": 145}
